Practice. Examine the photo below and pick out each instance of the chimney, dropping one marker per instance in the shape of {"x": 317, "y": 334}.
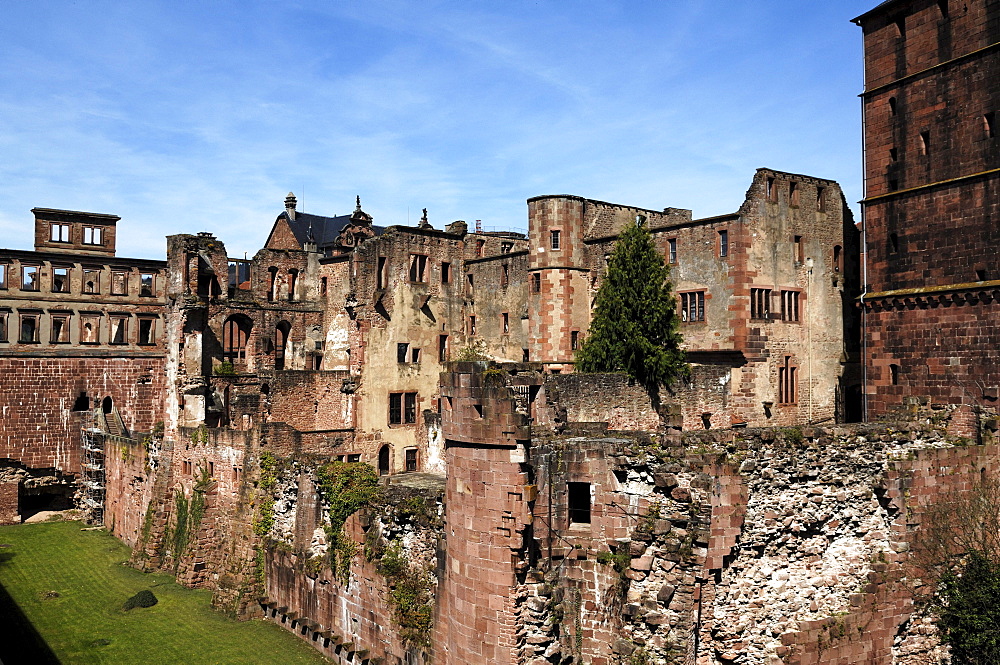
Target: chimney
{"x": 290, "y": 206}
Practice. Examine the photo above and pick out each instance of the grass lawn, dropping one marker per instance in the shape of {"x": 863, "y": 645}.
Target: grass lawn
{"x": 85, "y": 622}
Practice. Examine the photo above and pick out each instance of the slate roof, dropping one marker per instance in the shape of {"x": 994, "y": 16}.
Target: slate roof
{"x": 325, "y": 230}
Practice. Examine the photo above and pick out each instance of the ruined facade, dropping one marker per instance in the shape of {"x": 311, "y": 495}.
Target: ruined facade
{"x": 932, "y": 199}
{"x": 80, "y": 334}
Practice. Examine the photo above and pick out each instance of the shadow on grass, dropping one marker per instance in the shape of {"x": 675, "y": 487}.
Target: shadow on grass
{"x": 20, "y": 643}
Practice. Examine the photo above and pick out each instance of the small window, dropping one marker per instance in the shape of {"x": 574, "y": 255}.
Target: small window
{"x": 772, "y": 191}
{"x": 60, "y": 280}
{"x": 146, "y": 284}
{"x": 445, "y": 272}
{"x": 789, "y": 305}
{"x": 29, "y": 329}
{"x": 3, "y": 275}
{"x": 90, "y": 326}
{"x": 579, "y": 501}
{"x": 536, "y": 282}
{"x": 293, "y": 277}
{"x": 821, "y": 199}
{"x": 322, "y": 286}
{"x": 60, "y": 329}
{"x": 3, "y": 326}
{"x": 272, "y": 284}
{"x": 793, "y": 193}
{"x": 472, "y": 326}
{"x": 900, "y": 23}
{"x": 925, "y": 143}
{"x": 893, "y": 184}
{"x": 787, "y": 382}
{"x": 574, "y": 340}
{"x": 186, "y": 467}
{"x": 505, "y": 247}
{"x": 354, "y": 459}
{"x": 760, "y": 304}
{"x": 480, "y": 247}
{"x": 504, "y": 275}
{"x": 402, "y": 408}
{"x": 119, "y": 330}
{"x": 894, "y": 374}
{"x": 989, "y": 125}
{"x": 147, "y": 331}
{"x": 800, "y": 250}
{"x": 211, "y": 469}
{"x": 470, "y": 283}
{"x": 442, "y": 348}
{"x": 892, "y": 106}
{"x": 91, "y": 281}
{"x": 838, "y": 258}
{"x": 505, "y": 323}
{"x": 236, "y": 474}
{"x": 410, "y": 455}
{"x": 893, "y": 243}
{"x": 672, "y": 251}
{"x": 414, "y": 355}
{"x": 402, "y": 351}
{"x": 943, "y": 8}
{"x": 893, "y": 154}
{"x": 119, "y": 283}
{"x": 59, "y": 233}
{"x": 555, "y": 239}
{"x": 29, "y": 278}
{"x": 693, "y": 306}
{"x": 418, "y": 268}
{"x": 92, "y": 235}
{"x": 382, "y": 276}
{"x": 723, "y": 244}
{"x": 525, "y": 356}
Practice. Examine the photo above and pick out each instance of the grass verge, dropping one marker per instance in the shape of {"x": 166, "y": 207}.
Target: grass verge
{"x": 70, "y": 584}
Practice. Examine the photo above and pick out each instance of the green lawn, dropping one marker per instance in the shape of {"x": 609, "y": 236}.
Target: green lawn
{"x": 85, "y": 623}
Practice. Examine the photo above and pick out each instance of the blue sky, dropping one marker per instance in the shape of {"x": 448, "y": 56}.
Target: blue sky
{"x": 187, "y": 116}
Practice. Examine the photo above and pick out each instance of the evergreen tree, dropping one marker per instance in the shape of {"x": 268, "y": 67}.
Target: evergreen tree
{"x": 635, "y": 326}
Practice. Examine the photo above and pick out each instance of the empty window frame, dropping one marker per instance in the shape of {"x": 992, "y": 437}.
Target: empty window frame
{"x": 93, "y": 235}
{"x": 893, "y": 243}
{"x": 119, "y": 283}
{"x": 693, "y": 306}
{"x": 445, "y": 272}
{"x": 578, "y": 502}
{"x": 505, "y": 247}
{"x": 989, "y": 125}
{"x": 293, "y": 278}
{"x": 900, "y": 25}
{"x": 892, "y": 106}
{"x": 787, "y": 382}
{"x": 414, "y": 355}
{"x": 943, "y": 8}
{"x": 60, "y": 280}
{"x": 29, "y": 329}
{"x": 418, "y": 268}
{"x": 59, "y": 233}
{"x": 894, "y": 374}
{"x": 402, "y": 351}
{"x": 504, "y": 275}
{"x": 90, "y": 327}
{"x": 672, "y": 251}
{"x": 3, "y": 275}
{"x": 925, "y": 143}
{"x": 59, "y": 333}
{"x": 147, "y": 331}
{"x": 29, "y": 278}
{"x": 821, "y": 199}
{"x": 723, "y": 243}
{"x": 91, "y": 280}
{"x": 789, "y": 305}
{"x": 472, "y": 326}
{"x": 272, "y": 284}
{"x": 442, "y": 348}
{"x": 838, "y": 258}
{"x": 186, "y": 467}
{"x": 410, "y": 456}
{"x": 147, "y": 284}
{"x": 772, "y": 190}
{"x": 118, "y": 330}
{"x": 505, "y": 323}
{"x": 235, "y": 335}
{"x": 470, "y": 283}
{"x": 322, "y": 286}
{"x": 893, "y": 154}
{"x": 760, "y": 304}
{"x": 799, "y": 249}
{"x": 574, "y": 340}
{"x": 354, "y": 459}
{"x": 555, "y": 239}
{"x": 793, "y": 193}
{"x": 3, "y": 326}
{"x": 402, "y": 408}
{"x": 238, "y": 273}
{"x": 536, "y": 282}
{"x": 480, "y": 247}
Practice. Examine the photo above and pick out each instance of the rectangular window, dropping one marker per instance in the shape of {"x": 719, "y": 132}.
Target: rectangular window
{"x": 504, "y": 322}
{"x": 525, "y": 356}
{"x": 146, "y": 284}
{"x": 402, "y": 351}
{"x": 445, "y": 272}
{"x": 504, "y": 275}
{"x": 91, "y": 281}
{"x": 442, "y": 348}
{"x": 414, "y": 355}
{"x": 787, "y": 379}
{"x": 893, "y": 154}
{"x": 59, "y": 233}
{"x": 821, "y": 199}
{"x": 418, "y": 268}
{"x": 90, "y": 326}
{"x": 322, "y": 286}
{"x": 536, "y": 282}
{"x": 989, "y": 125}
{"x": 3, "y": 326}
{"x": 472, "y": 326}
{"x": 119, "y": 330}
{"x": 672, "y": 251}
{"x": 3, "y": 275}
{"x": 29, "y": 278}
{"x": 293, "y": 276}
{"x": 894, "y": 374}
{"x": 29, "y": 329}
{"x": 793, "y": 193}
{"x": 402, "y": 408}
{"x": 760, "y": 303}
{"x": 555, "y": 239}
{"x": 925, "y": 143}
{"x": 60, "y": 329}
{"x": 772, "y": 191}
{"x": 723, "y": 244}
{"x": 578, "y": 503}
{"x": 693, "y": 306}
{"x": 147, "y": 331}
{"x": 354, "y": 459}
{"x": 480, "y": 246}
{"x": 382, "y": 276}
{"x": 800, "y": 250}
{"x": 470, "y": 283}
{"x": 789, "y": 305}
{"x": 574, "y": 340}
{"x": 411, "y": 459}
{"x": 60, "y": 280}
{"x": 505, "y": 247}
{"x": 92, "y": 235}
{"x": 119, "y": 283}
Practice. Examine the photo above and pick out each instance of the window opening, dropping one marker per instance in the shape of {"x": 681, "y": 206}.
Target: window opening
{"x": 574, "y": 340}
{"x": 893, "y": 184}
{"x": 821, "y": 199}
{"x": 414, "y": 355}
{"x": 119, "y": 283}
{"x": 578, "y": 498}
{"x": 59, "y": 233}
{"x": 322, "y": 286}
{"x": 536, "y": 282}
{"x": 60, "y": 280}
{"x": 555, "y": 239}
{"x": 893, "y": 154}
{"x": 281, "y": 332}
{"x": 89, "y": 329}
{"x": 787, "y": 380}
{"x": 504, "y": 275}
{"x": 146, "y": 286}
{"x": 838, "y": 258}
{"x": 470, "y": 283}
{"x": 60, "y": 330}
{"x": 92, "y": 235}
{"x": 29, "y": 329}
{"x": 235, "y": 335}
{"x": 800, "y": 251}
{"x": 894, "y": 374}
{"x": 772, "y": 191}
{"x": 892, "y": 106}
{"x": 760, "y": 303}
{"x": 925, "y": 143}
{"x": 789, "y": 305}
{"x": 146, "y": 328}
{"x": 472, "y": 325}
{"x": 402, "y": 408}
{"x": 793, "y": 193}
{"x": 723, "y": 244}
{"x": 525, "y": 356}
{"x": 418, "y": 266}
{"x": 3, "y": 275}
{"x": 3, "y": 326}
{"x": 693, "y": 306}
{"x": 354, "y": 459}
{"x": 672, "y": 251}
{"x": 383, "y": 460}
{"x": 29, "y": 278}
{"x": 505, "y": 247}
{"x": 402, "y": 349}
{"x": 411, "y": 459}
{"x": 480, "y": 246}
{"x": 445, "y": 272}
{"x": 989, "y": 125}
{"x": 272, "y": 284}
{"x": 505, "y": 322}
{"x": 119, "y": 330}
{"x": 293, "y": 276}
{"x": 900, "y": 23}
{"x": 893, "y": 243}
{"x": 442, "y": 348}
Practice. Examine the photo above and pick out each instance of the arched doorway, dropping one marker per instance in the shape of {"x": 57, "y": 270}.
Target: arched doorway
{"x": 383, "y": 460}
{"x": 107, "y": 405}
{"x": 281, "y": 332}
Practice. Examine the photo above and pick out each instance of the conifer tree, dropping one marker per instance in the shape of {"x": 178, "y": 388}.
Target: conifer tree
{"x": 635, "y": 326}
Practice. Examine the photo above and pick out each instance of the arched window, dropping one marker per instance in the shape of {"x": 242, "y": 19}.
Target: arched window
{"x": 235, "y": 334}
{"x": 281, "y": 332}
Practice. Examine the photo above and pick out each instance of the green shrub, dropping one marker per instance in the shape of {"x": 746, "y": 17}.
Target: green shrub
{"x": 144, "y": 598}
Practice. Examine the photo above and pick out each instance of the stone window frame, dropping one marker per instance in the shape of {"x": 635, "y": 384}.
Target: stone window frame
{"x": 574, "y": 340}
{"x": 506, "y": 247}
{"x": 402, "y": 352}
{"x": 150, "y": 335}
{"x": 4, "y": 329}
{"x": 799, "y": 249}
{"x": 442, "y": 348}
{"x": 480, "y": 247}
{"x": 771, "y": 189}
{"x": 555, "y": 240}
{"x": 692, "y": 305}
{"x": 504, "y": 323}
{"x": 94, "y": 318}
{"x": 402, "y": 408}
{"x": 418, "y": 268}
{"x": 446, "y": 272}
{"x": 65, "y": 318}
{"x": 147, "y": 291}
{"x": 577, "y": 494}
{"x": 92, "y": 235}
{"x": 760, "y": 303}
{"x": 4, "y": 272}
{"x": 504, "y": 275}
{"x": 536, "y": 282}
{"x": 293, "y": 280}
{"x": 793, "y": 194}
{"x": 123, "y": 275}
{"x": 96, "y": 274}
{"x": 723, "y": 246}
{"x": 791, "y": 305}
{"x": 411, "y": 459}
{"x": 68, "y": 275}
{"x": 118, "y": 335}
{"x": 36, "y": 277}
{"x": 471, "y": 323}
{"x": 788, "y": 382}
{"x": 672, "y": 251}
{"x": 35, "y": 317}
{"x": 820, "y": 198}
{"x": 60, "y": 232}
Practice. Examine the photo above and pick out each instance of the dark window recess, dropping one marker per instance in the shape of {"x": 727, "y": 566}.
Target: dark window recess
{"x": 60, "y": 280}
{"x": 574, "y": 340}
{"x": 505, "y": 247}
{"x": 82, "y": 402}
{"x": 892, "y": 106}
{"x": 894, "y": 374}
{"x": 820, "y": 199}
{"x": 760, "y": 303}
{"x": 146, "y": 328}
{"x": 989, "y": 125}
{"x": 505, "y": 323}
{"x": 119, "y": 330}
{"x": 29, "y": 329}
{"x": 893, "y": 184}
{"x": 723, "y": 243}
{"x": 445, "y": 272}
{"x": 893, "y": 154}
{"x": 793, "y": 193}
{"x": 472, "y": 326}
{"x": 442, "y": 348}
{"x": 893, "y": 243}
{"x": 787, "y": 380}
{"x": 418, "y": 268}
{"x": 578, "y": 501}
{"x": 382, "y": 276}
{"x": 800, "y": 250}
{"x": 411, "y": 459}
{"x": 536, "y": 282}
{"x": 322, "y": 286}
{"x": 3, "y": 327}
{"x": 293, "y": 276}
{"x": 353, "y": 459}
{"x": 838, "y": 258}
{"x": 925, "y": 143}
{"x": 414, "y": 355}
{"x": 693, "y": 306}
{"x": 480, "y": 246}
{"x": 900, "y": 23}
{"x": 402, "y": 349}
{"x": 525, "y": 355}
{"x": 504, "y": 275}
{"x": 943, "y": 7}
